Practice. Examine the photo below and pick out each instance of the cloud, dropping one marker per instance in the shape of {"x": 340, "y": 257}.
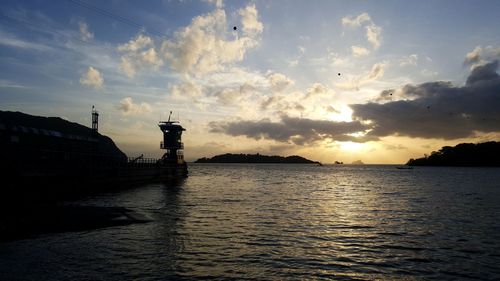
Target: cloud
{"x": 356, "y": 21}
{"x": 358, "y": 51}
{"x": 318, "y": 89}
{"x": 7, "y": 39}
{"x": 375, "y": 73}
{"x": 187, "y": 90}
{"x": 218, "y": 3}
{"x": 298, "y": 131}
{"x": 127, "y": 67}
{"x": 9, "y": 84}
{"x": 234, "y": 95}
{"x": 141, "y": 41}
{"x": 269, "y": 101}
{"x": 409, "y": 60}
{"x": 373, "y": 35}
{"x": 284, "y": 104}
{"x": 127, "y": 106}
{"x": 473, "y": 56}
{"x": 250, "y": 21}
{"x": 293, "y": 63}
{"x": 373, "y": 31}
{"x": 439, "y": 109}
{"x": 395, "y": 147}
{"x": 279, "y": 82}
{"x": 139, "y": 53}
{"x": 485, "y": 72}
{"x": 427, "y": 72}
{"x": 207, "y": 45}
{"x": 92, "y": 78}
{"x": 337, "y": 60}
{"x": 85, "y": 34}
{"x": 481, "y": 56}
{"x": 228, "y": 96}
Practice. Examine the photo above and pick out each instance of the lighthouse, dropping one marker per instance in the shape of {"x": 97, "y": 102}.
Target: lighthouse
{"x": 172, "y": 141}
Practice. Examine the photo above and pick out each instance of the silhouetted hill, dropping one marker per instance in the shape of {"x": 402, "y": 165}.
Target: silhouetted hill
{"x": 52, "y": 133}
{"x": 464, "y": 154}
{"x": 255, "y": 158}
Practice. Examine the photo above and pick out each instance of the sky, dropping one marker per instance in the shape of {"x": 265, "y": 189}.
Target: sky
{"x": 376, "y": 81}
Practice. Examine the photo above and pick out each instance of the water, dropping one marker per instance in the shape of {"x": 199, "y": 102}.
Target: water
{"x": 284, "y": 222}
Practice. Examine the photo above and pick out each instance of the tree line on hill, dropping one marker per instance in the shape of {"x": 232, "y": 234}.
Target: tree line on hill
{"x": 485, "y": 154}
{"x": 255, "y": 158}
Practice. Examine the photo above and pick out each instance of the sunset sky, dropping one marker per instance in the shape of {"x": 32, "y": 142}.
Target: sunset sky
{"x": 376, "y": 81}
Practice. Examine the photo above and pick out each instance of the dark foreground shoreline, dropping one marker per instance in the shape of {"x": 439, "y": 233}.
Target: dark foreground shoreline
{"x": 27, "y": 222}
{"x": 30, "y": 210}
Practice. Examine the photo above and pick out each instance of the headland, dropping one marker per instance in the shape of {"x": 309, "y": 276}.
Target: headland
{"x": 486, "y": 154}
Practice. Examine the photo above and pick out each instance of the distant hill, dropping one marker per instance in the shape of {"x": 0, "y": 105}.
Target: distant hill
{"x": 255, "y": 158}
{"x": 485, "y": 154}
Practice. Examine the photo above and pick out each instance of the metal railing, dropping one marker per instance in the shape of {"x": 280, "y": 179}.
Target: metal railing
{"x": 145, "y": 162}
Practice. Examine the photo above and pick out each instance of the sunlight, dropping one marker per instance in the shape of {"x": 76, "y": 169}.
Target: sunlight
{"x": 345, "y": 115}
{"x": 351, "y": 146}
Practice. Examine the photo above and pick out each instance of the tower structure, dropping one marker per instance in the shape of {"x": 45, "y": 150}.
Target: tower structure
{"x": 95, "y": 120}
{"x": 172, "y": 141}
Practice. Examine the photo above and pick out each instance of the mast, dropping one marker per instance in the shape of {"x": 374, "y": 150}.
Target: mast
{"x": 95, "y": 121}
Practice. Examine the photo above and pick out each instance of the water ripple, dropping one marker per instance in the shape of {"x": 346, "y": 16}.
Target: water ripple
{"x": 275, "y": 222}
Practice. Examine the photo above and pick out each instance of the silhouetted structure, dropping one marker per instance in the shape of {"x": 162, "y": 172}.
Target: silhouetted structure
{"x": 172, "y": 142}
{"x": 95, "y": 120}
{"x": 485, "y": 154}
{"x": 255, "y": 158}
{"x": 52, "y": 157}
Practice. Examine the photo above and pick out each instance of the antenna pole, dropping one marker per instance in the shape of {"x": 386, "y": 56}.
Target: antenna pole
{"x": 95, "y": 120}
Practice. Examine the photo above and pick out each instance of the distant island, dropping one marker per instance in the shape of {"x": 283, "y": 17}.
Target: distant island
{"x": 485, "y": 154}
{"x": 256, "y": 158}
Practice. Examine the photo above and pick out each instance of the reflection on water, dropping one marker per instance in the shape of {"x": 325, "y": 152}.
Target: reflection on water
{"x": 284, "y": 222}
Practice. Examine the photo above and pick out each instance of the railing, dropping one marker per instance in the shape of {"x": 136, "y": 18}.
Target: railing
{"x": 134, "y": 161}
{"x": 21, "y": 161}
{"x": 163, "y": 146}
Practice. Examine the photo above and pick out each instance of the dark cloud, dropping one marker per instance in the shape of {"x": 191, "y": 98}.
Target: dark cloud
{"x": 429, "y": 110}
{"x": 269, "y": 101}
{"x": 438, "y": 109}
{"x": 483, "y": 73}
{"x": 280, "y": 104}
{"x": 385, "y": 95}
{"x": 292, "y": 130}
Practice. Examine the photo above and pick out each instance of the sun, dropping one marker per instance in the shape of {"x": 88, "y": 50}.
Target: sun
{"x": 344, "y": 114}
{"x": 351, "y": 146}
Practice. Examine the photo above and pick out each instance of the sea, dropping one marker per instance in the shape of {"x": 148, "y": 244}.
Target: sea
{"x": 283, "y": 222}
